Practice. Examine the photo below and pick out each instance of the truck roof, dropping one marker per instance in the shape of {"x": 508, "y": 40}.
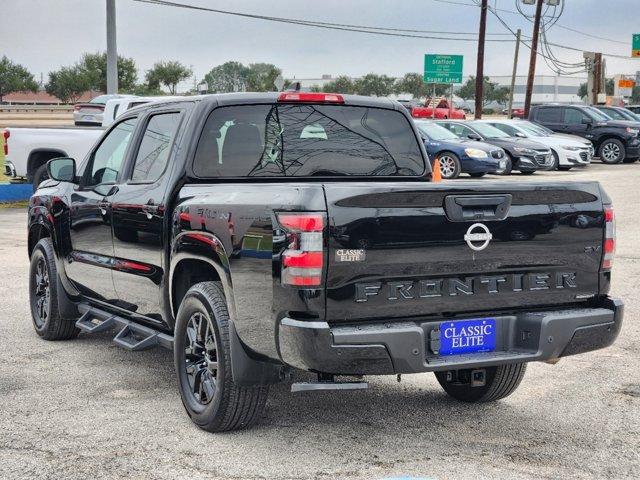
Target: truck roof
{"x": 240, "y": 98}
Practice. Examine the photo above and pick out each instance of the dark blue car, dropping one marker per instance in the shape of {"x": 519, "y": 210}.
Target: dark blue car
{"x": 457, "y": 155}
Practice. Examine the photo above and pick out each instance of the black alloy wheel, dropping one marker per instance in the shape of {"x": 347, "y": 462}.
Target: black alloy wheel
{"x": 41, "y": 298}
{"x": 201, "y": 358}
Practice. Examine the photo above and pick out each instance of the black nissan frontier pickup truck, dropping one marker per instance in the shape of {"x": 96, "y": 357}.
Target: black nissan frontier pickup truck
{"x": 258, "y": 235}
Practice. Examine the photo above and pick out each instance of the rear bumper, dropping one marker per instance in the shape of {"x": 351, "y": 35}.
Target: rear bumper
{"x": 407, "y": 347}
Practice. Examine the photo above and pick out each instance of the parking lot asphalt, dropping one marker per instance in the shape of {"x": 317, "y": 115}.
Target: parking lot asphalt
{"x": 88, "y": 409}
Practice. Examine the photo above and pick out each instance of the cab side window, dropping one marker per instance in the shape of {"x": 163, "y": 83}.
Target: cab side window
{"x": 549, "y": 115}
{"x": 107, "y": 159}
{"x": 573, "y": 116}
{"x": 153, "y": 154}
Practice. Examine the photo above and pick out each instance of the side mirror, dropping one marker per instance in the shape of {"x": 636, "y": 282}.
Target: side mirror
{"x": 62, "y": 169}
{"x": 474, "y": 136}
{"x": 521, "y": 135}
{"x": 587, "y": 121}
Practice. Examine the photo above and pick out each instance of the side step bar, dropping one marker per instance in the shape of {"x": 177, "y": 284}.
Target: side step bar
{"x": 327, "y": 382}
{"x": 132, "y": 336}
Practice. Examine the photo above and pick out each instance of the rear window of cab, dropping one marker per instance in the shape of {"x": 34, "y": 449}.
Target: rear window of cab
{"x": 305, "y": 140}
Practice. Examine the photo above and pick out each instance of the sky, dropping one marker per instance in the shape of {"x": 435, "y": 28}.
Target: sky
{"x": 44, "y": 35}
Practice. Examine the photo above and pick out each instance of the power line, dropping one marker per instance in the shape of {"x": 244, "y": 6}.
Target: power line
{"x": 499, "y": 18}
{"x": 386, "y": 31}
{"x": 564, "y": 27}
{"x": 565, "y": 47}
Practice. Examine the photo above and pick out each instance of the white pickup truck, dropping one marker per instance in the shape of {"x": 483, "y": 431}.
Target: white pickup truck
{"x": 28, "y": 149}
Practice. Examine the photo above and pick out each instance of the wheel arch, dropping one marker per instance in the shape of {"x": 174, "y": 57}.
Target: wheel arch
{"x": 204, "y": 250}
{"x": 204, "y": 253}
{"x": 608, "y": 136}
{"x": 39, "y": 157}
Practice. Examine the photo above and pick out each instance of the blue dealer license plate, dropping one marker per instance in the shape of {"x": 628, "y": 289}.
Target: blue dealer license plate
{"x": 468, "y": 336}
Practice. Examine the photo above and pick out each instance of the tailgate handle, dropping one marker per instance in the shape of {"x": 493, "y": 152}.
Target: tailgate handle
{"x": 464, "y": 208}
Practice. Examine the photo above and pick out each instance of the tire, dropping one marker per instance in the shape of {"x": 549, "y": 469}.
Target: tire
{"x": 630, "y": 160}
{"x": 43, "y": 295}
{"x": 508, "y": 167}
{"x": 500, "y": 382}
{"x": 612, "y": 151}
{"x": 450, "y": 167}
{"x": 556, "y": 161}
{"x": 477, "y": 175}
{"x": 40, "y": 176}
{"x": 202, "y": 348}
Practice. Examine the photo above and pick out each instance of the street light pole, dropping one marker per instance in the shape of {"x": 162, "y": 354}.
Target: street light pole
{"x": 533, "y": 58}
{"x": 112, "y": 49}
{"x": 480, "y": 62}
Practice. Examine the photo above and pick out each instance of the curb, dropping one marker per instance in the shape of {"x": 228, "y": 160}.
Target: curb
{"x": 15, "y": 192}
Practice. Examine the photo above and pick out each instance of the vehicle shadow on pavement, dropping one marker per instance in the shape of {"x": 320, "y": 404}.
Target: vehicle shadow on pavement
{"x": 415, "y": 403}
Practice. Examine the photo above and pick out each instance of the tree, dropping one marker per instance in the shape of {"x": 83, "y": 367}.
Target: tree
{"x": 468, "y": 90}
{"x": 228, "y": 77}
{"x": 582, "y": 91}
{"x": 491, "y": 92}
{"x": 341, "y": 84}
{"x": 609, "y": 86}
{"x": 15, "y": 78}
{"x": 413, "y": 84}
{"x": 260, "y": 77}
{"x": 500, "y": 95}
{"x": 95, "y": 67}
{"x": 68, "y": 84}
{"x": 146, "y": 90}
{"x": 168, "y": 74}
{"x": 374, "y": 85}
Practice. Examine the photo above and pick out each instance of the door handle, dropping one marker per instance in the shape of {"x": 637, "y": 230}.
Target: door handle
{"x": 150, "y": 210}
{"x": 104, "y": 206}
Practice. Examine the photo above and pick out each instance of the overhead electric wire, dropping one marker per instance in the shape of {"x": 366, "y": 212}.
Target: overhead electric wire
{"x": 564, "y": 27}
{"x": 386, "y": 31}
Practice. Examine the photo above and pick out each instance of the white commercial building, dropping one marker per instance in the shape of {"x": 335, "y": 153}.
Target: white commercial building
{"x": 546, "y": 88}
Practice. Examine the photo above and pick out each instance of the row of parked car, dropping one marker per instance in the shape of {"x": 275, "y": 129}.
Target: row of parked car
{"x": 556, "y": 137}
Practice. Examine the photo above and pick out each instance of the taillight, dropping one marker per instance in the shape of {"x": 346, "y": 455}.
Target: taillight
{"x": 303, "y": 259}
{"x": 609, "y": 238}
{"x": 310, "y": 97}
{"x": 77, "y": 107}
{"x": 6, "y": 134}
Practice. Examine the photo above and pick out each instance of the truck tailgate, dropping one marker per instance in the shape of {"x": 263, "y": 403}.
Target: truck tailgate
{"x": 398, "y": 249}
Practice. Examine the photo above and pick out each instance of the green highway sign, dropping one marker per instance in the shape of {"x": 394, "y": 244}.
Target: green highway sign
{"x": 635, "y": 45}
{"x": 443, "y": 68}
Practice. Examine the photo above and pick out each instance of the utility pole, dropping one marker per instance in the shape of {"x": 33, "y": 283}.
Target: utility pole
{"x": 600, "y": 84}
{"x": 532, "y": 60}
{"x": 112, "y": 48}
{"x": 515, "y": 70}
{"x": 480, "y": 64}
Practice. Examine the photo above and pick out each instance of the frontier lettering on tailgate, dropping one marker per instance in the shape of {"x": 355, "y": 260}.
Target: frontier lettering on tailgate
{"x": 519, "y": 282}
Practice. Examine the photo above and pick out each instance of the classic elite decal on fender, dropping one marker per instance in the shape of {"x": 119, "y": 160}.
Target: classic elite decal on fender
{"x": 491, "y": 284}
